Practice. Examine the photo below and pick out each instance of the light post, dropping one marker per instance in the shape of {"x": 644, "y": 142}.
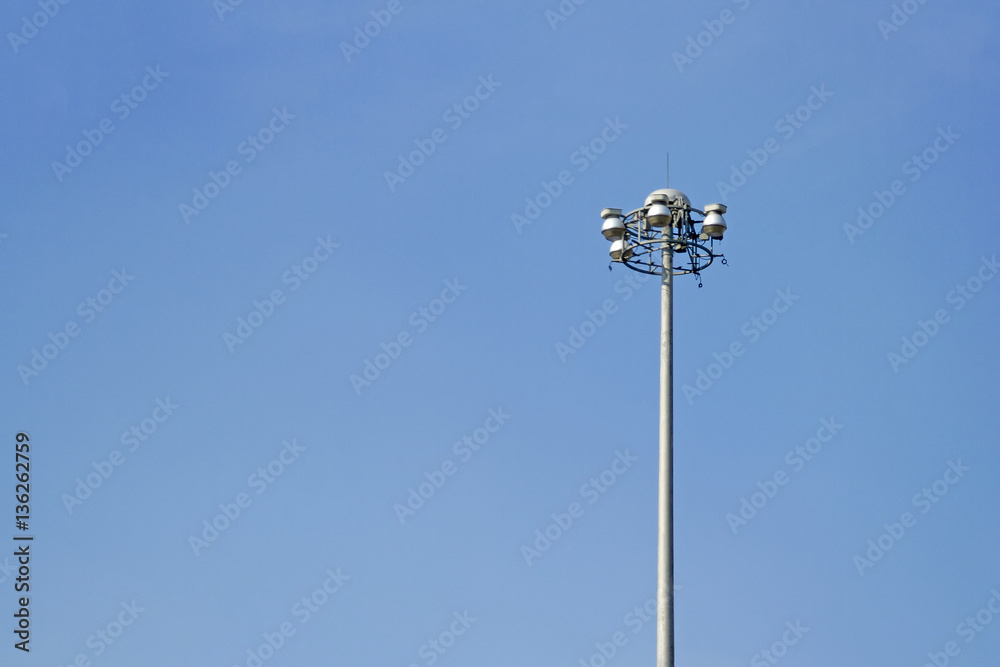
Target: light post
{"x": 650, "y": 240}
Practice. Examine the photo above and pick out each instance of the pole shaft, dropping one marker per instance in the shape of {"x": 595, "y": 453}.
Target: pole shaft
{"x": 665, "y": 547}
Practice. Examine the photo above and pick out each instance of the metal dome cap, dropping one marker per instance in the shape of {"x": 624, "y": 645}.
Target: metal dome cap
{"x": 669, "y": 196}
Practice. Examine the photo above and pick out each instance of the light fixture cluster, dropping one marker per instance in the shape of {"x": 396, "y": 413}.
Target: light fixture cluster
{"x": 665, "y": 222}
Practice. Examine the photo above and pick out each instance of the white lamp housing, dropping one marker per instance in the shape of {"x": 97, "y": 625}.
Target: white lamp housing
{"x": 620, "y": 250}
{"x": 659, "y": 215}
{"x": 613, "y": 227}
{"x": 714, "y": 224}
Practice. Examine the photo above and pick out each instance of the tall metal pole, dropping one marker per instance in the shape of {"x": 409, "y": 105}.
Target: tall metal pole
{"x": 670, "y": 207}
{"x": 665, "y": 547}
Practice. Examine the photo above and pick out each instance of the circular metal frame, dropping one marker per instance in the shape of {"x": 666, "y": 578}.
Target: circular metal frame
{"x": 699, "y": 257}
{"x": 647, "y": 243}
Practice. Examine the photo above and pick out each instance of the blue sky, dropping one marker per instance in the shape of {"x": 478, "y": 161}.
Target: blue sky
{"x": 217, "y": 219}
